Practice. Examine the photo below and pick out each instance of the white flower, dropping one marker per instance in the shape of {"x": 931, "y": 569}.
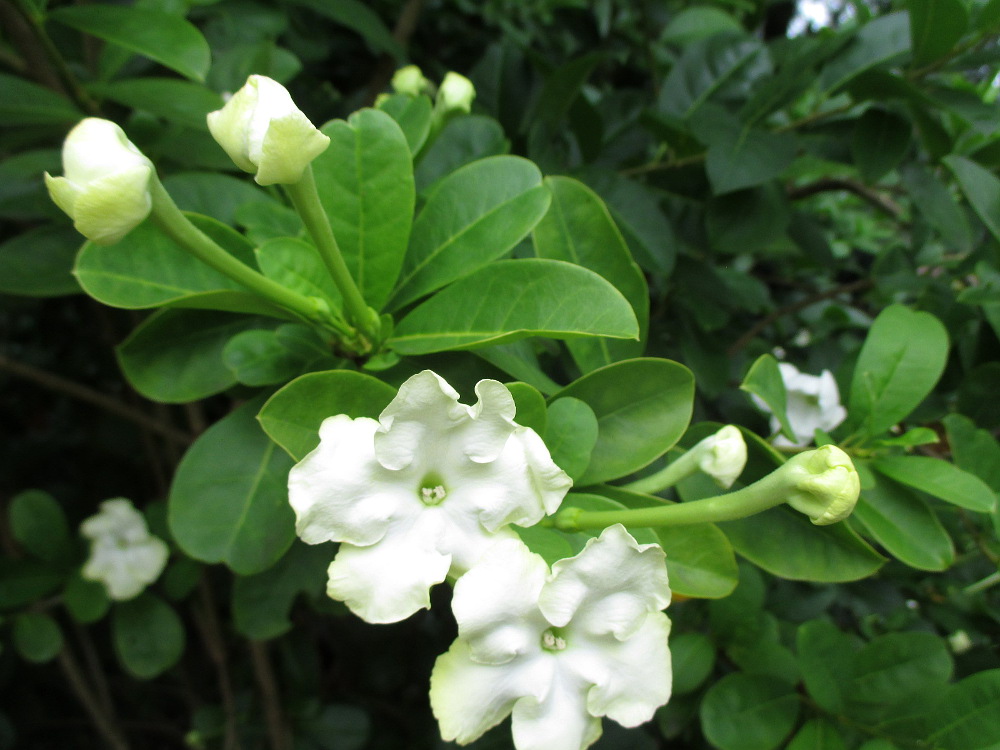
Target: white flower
{"x": 456, "y": 93}
{"x": 557, "y": 651}
{"x": 265, "y": 134}
{"x": 420, "y": 493}
{"x": 105, "y": 189}
{"x": 723, "y": 455}
{"x": 124, "y": 556}
{"x": 813, "y": 403}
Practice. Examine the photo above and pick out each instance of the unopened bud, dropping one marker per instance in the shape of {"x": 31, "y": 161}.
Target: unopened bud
{"x": 826, "y": 484}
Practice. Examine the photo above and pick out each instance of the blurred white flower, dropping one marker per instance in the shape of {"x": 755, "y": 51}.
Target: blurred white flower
{"x": 105, "y": 189}
{"x": 265, "y": 134}
{"x": 813, "y": 403}
{"x": 420, "y": 493}
{"x": 456, "y": 93}
{"x": 124, "y": 556}
{"x": 410, "y": 80}
{"x": 557, "y": 651}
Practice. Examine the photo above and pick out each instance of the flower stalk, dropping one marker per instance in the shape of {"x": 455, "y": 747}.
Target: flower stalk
{"x": 822, "y": 483}
{"x": 722, "y": 456}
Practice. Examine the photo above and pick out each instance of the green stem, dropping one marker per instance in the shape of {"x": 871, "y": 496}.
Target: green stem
{"x": 305, "y": 198}
{"x": 683, "y": 466}
{"x": 179, "y": 228}
{"x": 991, "y": 580}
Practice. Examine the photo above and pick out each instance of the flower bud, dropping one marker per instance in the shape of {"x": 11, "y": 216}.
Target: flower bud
{"x": 410, "y": 80}
{"x": 265, "y": 134}
{"x": 455, "y": 94}
{"x": 723, "y": 455}
{"x": 105, "y": 189}
{"x": 826, "y": 484}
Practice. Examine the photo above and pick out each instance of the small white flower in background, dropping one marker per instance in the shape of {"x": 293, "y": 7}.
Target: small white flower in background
{"x": 265, "y": 134}
{"x": 410, "y": 80}
{"x": 420, "y": 493}
{"x": 723, "y": 455}
{"x": 105, "y": 187}
{"x": 124, "y": 556}
{"x": 557, "y": 651}
{"x": 455, "y": 93}
{"x": 813, "y": 403}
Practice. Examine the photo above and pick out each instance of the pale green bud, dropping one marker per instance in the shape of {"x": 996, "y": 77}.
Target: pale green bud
{"x": 265, "y": 134}
{"x": 723, "y": 455}
{"x": 825, "y": 484}
{"x": 410, "y": 80}
{"x": 456, "y": 93}
{"x": 105, "y": 189}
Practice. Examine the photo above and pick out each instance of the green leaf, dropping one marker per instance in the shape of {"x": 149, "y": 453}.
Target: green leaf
{"x": 36, "y": 637}
{"x": 747, "y": 220}
{"x": 893, "y": 667}
{"x": 877, "y": 42}
{"x": 23, "y": 103}
{"x": 262, "y": 602}
{"x": 38, "y": 523}
{"x": 560, "y": 89}
{"x": 693, "y": 24}
{"x": 264, "y": 357}
{"x": 901, "y": 360}
{"x": 462, "y": 141}
{"x": 530, "y": 405}
{"x": 365, "y": 182}
{"x": 217, "y": 195}
{"x": 643, "y": 407}
{"x": 940, "y": 479}
{"x": 472, "y": 217}
{"x": 693, "y": 657}
{"x": 974, "y": 450}
{"x": 935, "y": 27}
{"x": 175, "y": 356}
{"x": 571, "y": 435}
{"x": 552, "y": 545}
{"x": 296, "y": 264}
{"x": 700, "y": 560}
{"x": 749, "y": 712}
{"x": 163, "y": 37}
{"x": 172, "y": 99}
{"x": 520, "y": 360}
{"x": 87, "y": 601}
{"x": 360, "y": 18}
{"x": 513, "y": 299}
{"x": 39, "y": 262}
{"x": 966, "y": 717}
{"x": 880, "y": 141}
{"x": 229, "y": 498}
{"x": 148, "y": 636}
{"x": 825, "y": 656}
{"x": 903, "y": 523}
{"x": 578, "y": 229}
{"x": 981, "y": 188}
{"x": 24, "y": 581}
{"x": 764, "y": 381}
{"x": 412, "y": 114}
{"x": 292, "y": 416}
{"x": 817, "y": 734}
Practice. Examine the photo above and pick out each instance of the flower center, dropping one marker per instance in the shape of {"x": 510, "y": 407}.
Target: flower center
{"x": 553, "y": 642}
{"x": 432, "y": 490}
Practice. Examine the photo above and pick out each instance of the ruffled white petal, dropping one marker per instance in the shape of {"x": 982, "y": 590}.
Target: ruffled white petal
{"x": 469, "y": 698}
{"x": 496, "y": 603}
{"x": 389, "y": 581}
{"x": 813, "y": 403}
{"x": 558, "y": 721}
{"x": 608, "y": 587}
{"x": 340, "y": 493}
{"x": 124, "y": 556}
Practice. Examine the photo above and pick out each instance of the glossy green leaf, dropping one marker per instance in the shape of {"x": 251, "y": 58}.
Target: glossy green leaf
{"x": 163, "y": 37}
{"x": 296, "y": 264}
{"x": 262, "y": 602}
{"x": 764, "y": 381}
{"x": 552, "y": 545}
{"x": 875, "y": 43}
{"x": 229, "y": 498}
{"x": 412, "y": 114}
{"x": 264, "y": 357}
{"x": 514, "y": 299}
{"x": 935, "y": 27}
{"x": 520, "y": 360}
{"x": 966, "y": 717}
{"x": 292, "y": 416}
{"x": 749, "y": 712}
{"x": 39, "y": 525}
{"x": 692, "y": 656}
{"x": 39, "y": 262}
{"x": 37, "y": 638}
{"x": 571, "y": 435}
{"x": 895, "y": 666}
{"x": 175, "y": 356}
{"x": 880, "y": 141}
{"x": 170, "y": 98}
{"x": 825, "y": 656}
{"x": 900, "y": 362}
{"x": 365, "y": 182}
{"x": 462, "y": 141}
{"x": 817, "y": 734}
{"x": 940, "y": 479}
{"x": 148, "y": 636}
{"x": 981, "y": 188}
{"x": 473, "y": 216}
{"x": 530, "y": 406}
{"x": 700, "y": 560}
{"x": 220, "y": 196}
{"x": 25, "y": 103}
{"x": 578, "y": 229}
{"x": 643, "y": 406}
{"x": 905, "y": 526}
